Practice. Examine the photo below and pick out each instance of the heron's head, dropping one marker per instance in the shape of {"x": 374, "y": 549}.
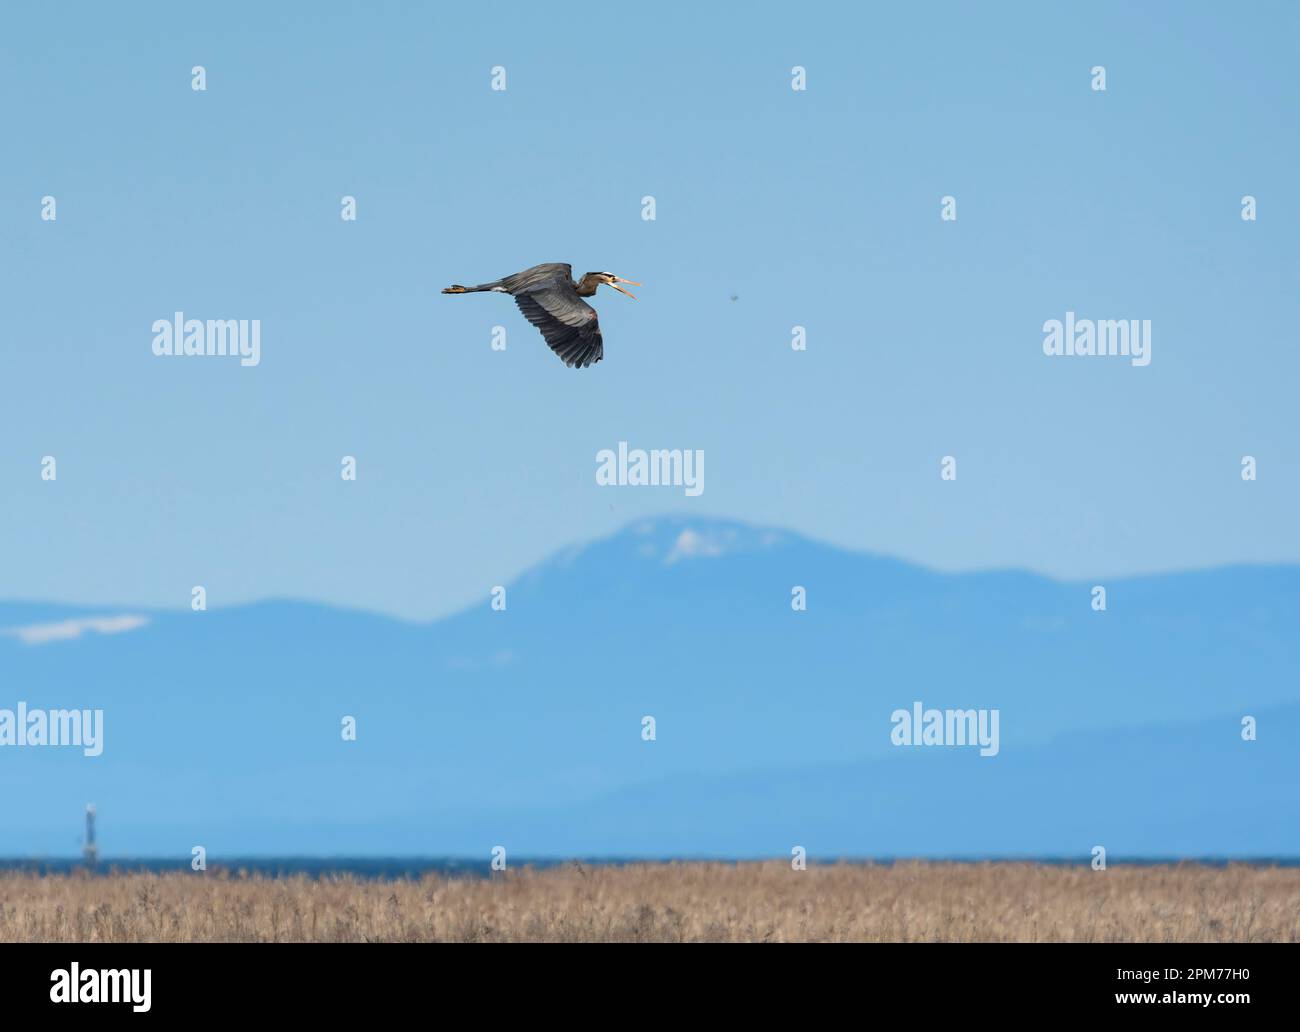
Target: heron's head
{"x": 610, "y": 280}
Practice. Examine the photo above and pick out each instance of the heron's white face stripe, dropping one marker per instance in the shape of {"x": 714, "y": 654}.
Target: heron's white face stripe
{"x": 500, "y": 290}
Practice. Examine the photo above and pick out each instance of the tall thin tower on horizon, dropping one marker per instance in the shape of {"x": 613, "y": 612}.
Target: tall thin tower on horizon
{"x": 90, "y": 852}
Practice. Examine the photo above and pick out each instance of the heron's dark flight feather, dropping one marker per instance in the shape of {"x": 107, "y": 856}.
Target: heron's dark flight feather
{"x": 567, "y": 322}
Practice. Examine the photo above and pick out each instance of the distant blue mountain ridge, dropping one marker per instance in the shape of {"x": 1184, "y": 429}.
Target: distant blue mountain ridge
{"x": 523, "y": 727}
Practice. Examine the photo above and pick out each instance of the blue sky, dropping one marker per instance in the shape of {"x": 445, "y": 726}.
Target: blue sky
{"x": 817, "y": 208}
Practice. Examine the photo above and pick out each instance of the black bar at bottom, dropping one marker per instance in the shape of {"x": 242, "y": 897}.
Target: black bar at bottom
{"x": 215, "y": 981}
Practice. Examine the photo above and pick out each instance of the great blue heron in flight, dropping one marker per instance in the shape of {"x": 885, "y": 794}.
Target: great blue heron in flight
{"x": 552, "y": 301}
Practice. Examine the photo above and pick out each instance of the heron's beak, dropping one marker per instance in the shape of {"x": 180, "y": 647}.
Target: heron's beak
{"x": 615, "y": 281}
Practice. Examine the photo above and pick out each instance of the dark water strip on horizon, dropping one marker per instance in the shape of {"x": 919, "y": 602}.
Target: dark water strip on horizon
{"x": 396, "y": 868}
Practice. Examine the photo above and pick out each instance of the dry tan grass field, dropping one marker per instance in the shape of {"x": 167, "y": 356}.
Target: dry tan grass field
{"x": 674, "y": 902}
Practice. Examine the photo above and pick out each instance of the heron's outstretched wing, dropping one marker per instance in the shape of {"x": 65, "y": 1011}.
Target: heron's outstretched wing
{"x": 567, "y": 322}
{"x": 549, "y": 276}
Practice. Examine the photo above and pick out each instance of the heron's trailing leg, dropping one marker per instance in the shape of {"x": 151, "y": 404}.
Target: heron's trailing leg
{"x": 456, "y": 288}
